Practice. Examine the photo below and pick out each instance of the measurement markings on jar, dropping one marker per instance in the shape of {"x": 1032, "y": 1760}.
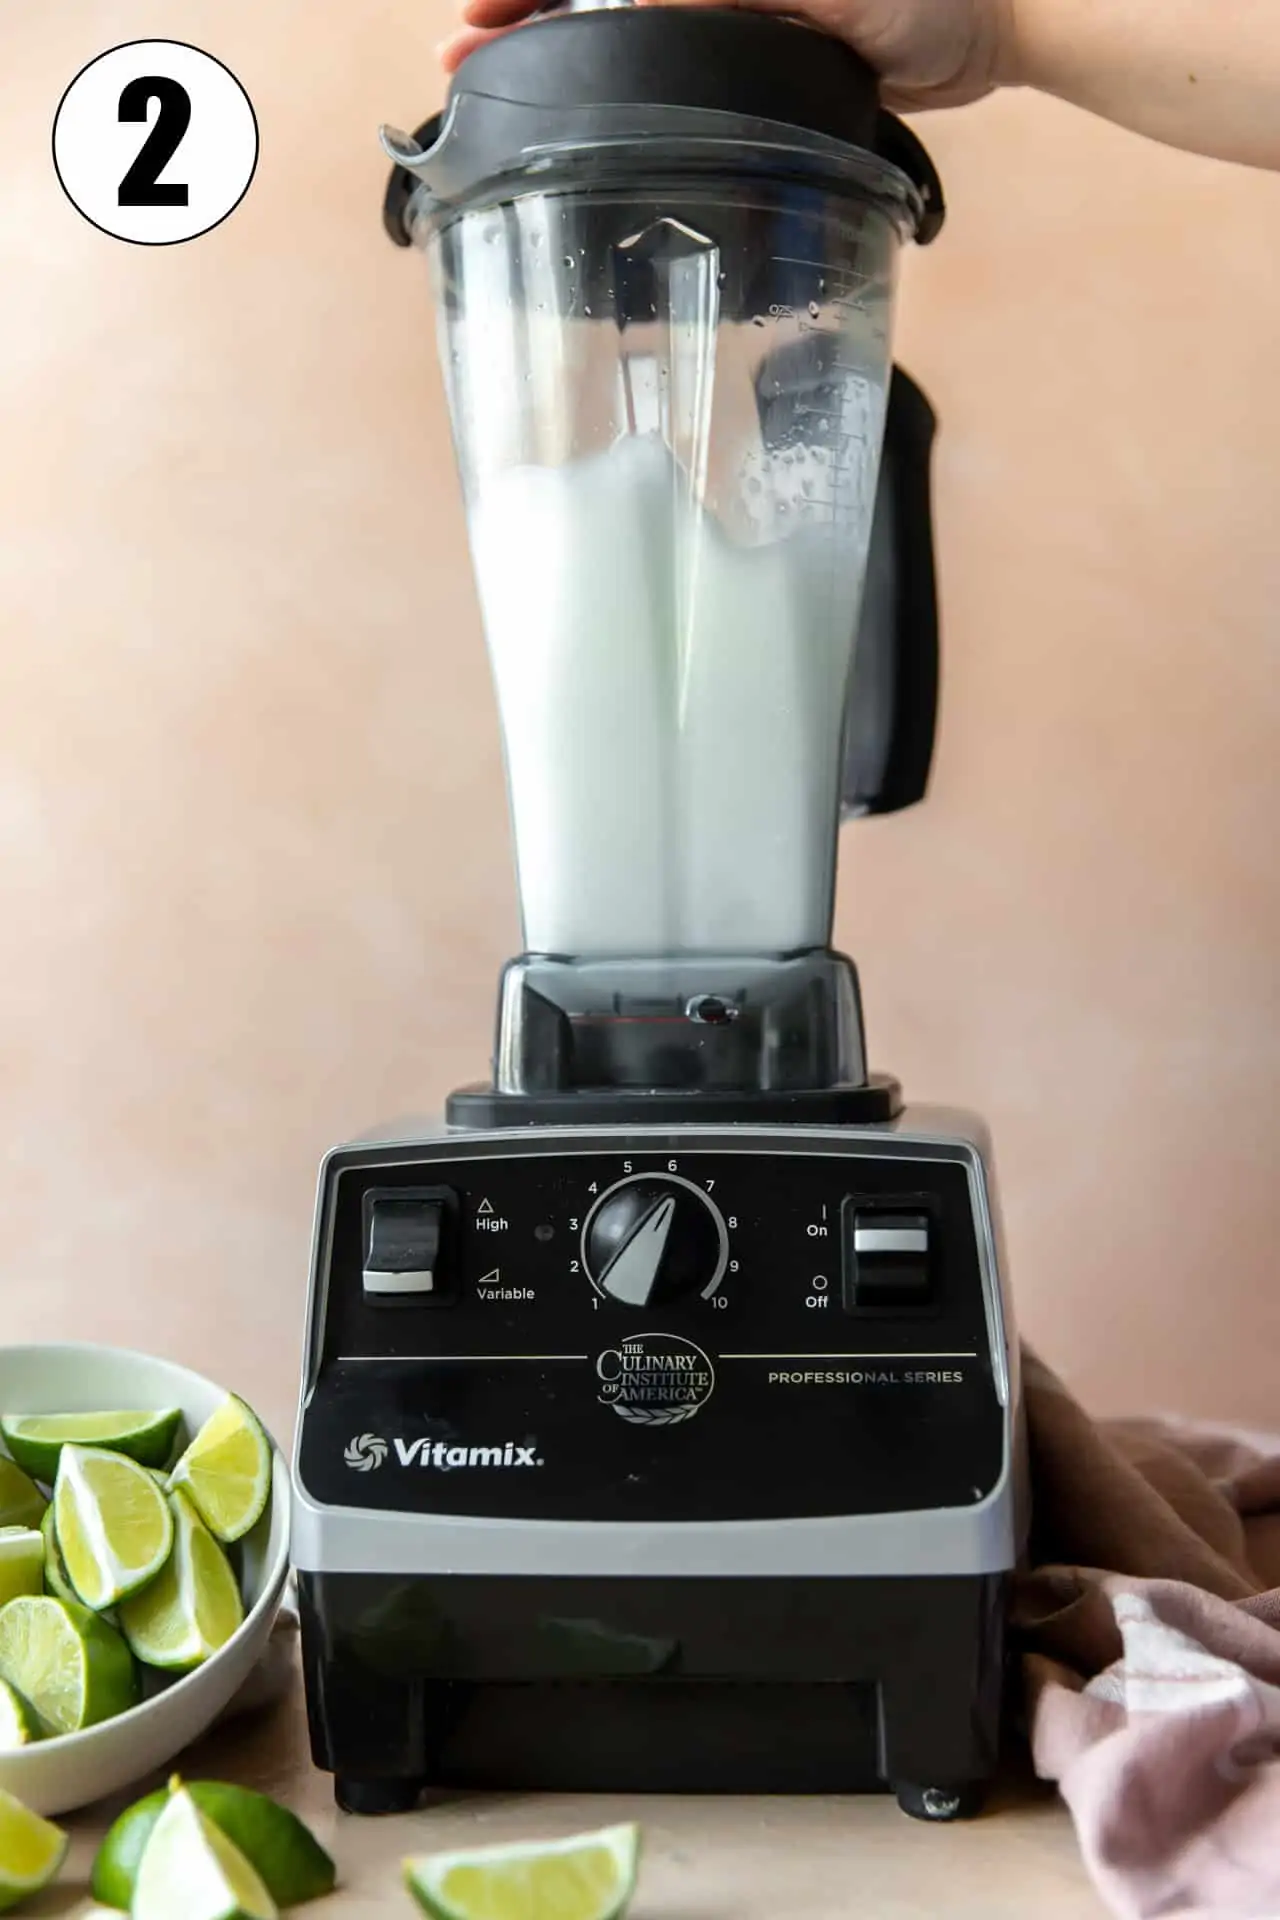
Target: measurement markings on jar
{"x": 824, "y": 269}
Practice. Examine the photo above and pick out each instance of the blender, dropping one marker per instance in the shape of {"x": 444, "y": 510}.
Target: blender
{"x": 660, "y": 1420}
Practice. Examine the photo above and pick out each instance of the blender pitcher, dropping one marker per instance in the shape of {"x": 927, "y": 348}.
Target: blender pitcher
{"x": 664, "y": 248}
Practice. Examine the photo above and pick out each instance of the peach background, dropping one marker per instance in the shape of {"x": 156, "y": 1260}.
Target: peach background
{"x": 254, "y": 883}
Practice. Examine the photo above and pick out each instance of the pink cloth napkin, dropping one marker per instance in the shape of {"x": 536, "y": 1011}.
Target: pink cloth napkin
{"x": 1150, "y": 1623}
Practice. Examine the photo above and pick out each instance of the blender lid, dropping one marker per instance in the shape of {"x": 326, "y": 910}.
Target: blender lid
{"x": 753, "y": 90}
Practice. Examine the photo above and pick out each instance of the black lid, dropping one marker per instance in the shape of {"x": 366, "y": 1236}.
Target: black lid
{"x": 720, "y": 60}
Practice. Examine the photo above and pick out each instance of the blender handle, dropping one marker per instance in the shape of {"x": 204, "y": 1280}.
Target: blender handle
{"x": 891, "y": 716}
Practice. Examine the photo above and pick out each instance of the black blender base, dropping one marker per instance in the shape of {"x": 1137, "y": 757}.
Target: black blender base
{"x": 375, "y": 1798}
{"x": 401, "y": 1699}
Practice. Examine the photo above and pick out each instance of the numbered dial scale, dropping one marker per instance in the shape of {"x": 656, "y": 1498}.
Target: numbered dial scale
{"x": 725, "y": 1332}
{"x": 654, "y": 1239}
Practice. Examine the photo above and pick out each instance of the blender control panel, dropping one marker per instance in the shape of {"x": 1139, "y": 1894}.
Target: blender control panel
{"x": 674, "y": 1333}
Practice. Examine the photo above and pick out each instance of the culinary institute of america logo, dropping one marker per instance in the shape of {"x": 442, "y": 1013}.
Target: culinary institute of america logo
{"x": 365, "y": 1452}
{"x": 655, "y": 1379}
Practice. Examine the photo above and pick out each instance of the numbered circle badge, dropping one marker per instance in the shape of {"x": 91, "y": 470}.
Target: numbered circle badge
{"x": 155, "y": 142}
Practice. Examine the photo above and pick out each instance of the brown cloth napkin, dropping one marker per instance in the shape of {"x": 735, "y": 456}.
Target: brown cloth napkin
{"x": 1149, "y": 1619}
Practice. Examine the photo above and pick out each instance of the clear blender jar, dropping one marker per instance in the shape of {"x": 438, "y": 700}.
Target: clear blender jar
{"x": 663, "y": 247}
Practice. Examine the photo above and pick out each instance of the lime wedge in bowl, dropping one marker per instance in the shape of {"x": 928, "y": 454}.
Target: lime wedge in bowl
{"x": 114, "y": 1524}
{"x": 55, "y": 1573}
{"x": 36, "y": 1439}
{"x": 31, "y": 1851}
{"x": 290, "y": 1862}
{"x": 193, "y": 1606}
{"x": 21, "y": 1501}
{"x": 18, "y": 1726}
{"x": 21, "y": 1562}
{"x": 70, "y": 1667}
{"x": 589, "y": 1877}
{"x": 226, "y": 1471}
{"x": 190, "y": 1869}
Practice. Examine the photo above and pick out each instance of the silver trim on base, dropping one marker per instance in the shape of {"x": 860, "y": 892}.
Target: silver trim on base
{"x": 969, "y": 1540}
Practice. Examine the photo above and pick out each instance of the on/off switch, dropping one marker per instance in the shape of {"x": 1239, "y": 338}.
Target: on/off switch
{"x": 888, "y": 1261}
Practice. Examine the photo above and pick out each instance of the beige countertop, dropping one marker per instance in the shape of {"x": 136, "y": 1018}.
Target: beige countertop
{"x": 705, "y": 1859}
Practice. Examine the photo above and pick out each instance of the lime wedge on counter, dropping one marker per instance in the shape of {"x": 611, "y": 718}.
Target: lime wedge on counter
{"x": 226, "y": 1470}
{"x": 590, "y": 1877}
{"x": 17, "y": 1722}
{"x": 21, "y": 1501}
{"x": 36, "y": 1439}
{"x": 31, "y": 1851}
{"x": 70, "y": 1667}
{"x": 192, "y": 1607}
{"x": 292, "y": 1866}
{"x": 114, "y": 1524}
{"x": 55, "y": 1573}
{"x": 21, "y": 1562}
{"x": 189, "y": 1870}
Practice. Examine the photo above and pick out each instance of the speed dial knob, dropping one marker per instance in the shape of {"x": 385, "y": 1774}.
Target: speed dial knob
{"x": 652, "y": 1239}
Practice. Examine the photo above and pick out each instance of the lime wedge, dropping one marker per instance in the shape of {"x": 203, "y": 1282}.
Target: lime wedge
{"x": 114, "y": 1525}
{"x": 36, "y": 1439}
{"x": 192, "y": 1607}
{"x": 590, "y": 1877}
{"x": 31, "y": 1851}
{"x": 21, "y": 1562}
{"x": 55, "y": 1573}
{"x": 17, "y": 1722}
{"x": 291, "y": 1864}
{"x": 71, "y": 1668}
{"x": 227, "y": 1470}
{"x": 190, "y": 1871}
{"x": 21, "y": 1501}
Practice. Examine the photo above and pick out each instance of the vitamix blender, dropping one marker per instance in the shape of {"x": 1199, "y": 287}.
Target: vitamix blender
{"x": 660, "y": 1421}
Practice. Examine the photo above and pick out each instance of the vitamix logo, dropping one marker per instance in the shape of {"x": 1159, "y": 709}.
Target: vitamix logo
{"x": 368, "y": 1451}
{"x": 365, "y": 1453}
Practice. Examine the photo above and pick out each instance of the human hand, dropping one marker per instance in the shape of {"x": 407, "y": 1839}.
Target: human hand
{"x": 928, "y": 53}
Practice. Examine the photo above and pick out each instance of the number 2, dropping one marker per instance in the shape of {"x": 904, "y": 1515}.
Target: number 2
{"x": 141, "y": 186}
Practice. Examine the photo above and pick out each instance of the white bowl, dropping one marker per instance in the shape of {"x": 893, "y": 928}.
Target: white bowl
{"x": 55, "y": 1776}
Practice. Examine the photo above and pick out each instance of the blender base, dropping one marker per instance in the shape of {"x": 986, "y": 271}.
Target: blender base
{"x": 458, "y": 1683}
{"x": 794, "y": 1585}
